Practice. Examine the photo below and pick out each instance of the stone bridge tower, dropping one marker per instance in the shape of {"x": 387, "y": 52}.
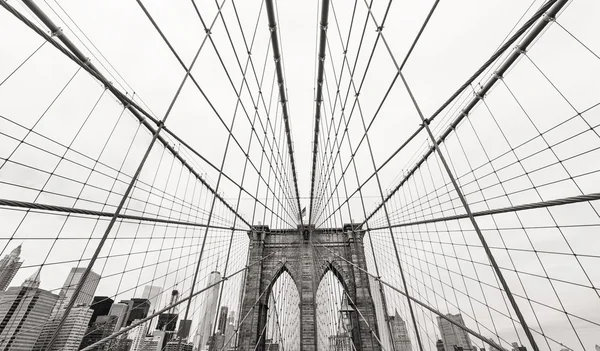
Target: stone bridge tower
{"x": 301, "y": 253}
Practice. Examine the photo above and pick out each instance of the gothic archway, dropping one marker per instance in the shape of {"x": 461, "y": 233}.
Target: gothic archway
{"x": 334, "y": 324}
{"x": 282, "y": 326}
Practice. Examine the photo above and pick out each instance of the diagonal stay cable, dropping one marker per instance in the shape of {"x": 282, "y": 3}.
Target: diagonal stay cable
{"x": 262, "y": 100}
{"x": 351, "y": 73}
{"x": 238, "y": 92}
{"x": 195, "y": 82}
{"x": 406, "y": 57}
{"x": 498, "y": 53}
{"x": 170, "y": 306}
{"x": 129, "y": 104}
{"x": 511, "y": 59}
{"x": 418, "y": 302}
{"x": 122, "y": 202}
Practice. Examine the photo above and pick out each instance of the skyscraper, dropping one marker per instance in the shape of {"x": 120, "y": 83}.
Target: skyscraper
{"x": 222, "y": 324}
{"x": 101, "y": 306}
{"x": 120, "y": 310}
{"x": 208, "y": 312}
{"x": 400, "y": 333}
{"x": 138, "y": 309}
{"x": 9, "y": 265}
{"x": 453, "y": 335}
{"x": 167, "y": 322}
{"x": 138, "y": 335}
{"x": 68, "y": 289}
{"x": 25, "y": 309}
{"x": 101, "y": 328}
{"x": 71, "y": 333}
{"x": 229, "y": 330}
{"x": 154, "y": 294}
{"x": 184, "y": 328}
{"x": 178, "y": 346}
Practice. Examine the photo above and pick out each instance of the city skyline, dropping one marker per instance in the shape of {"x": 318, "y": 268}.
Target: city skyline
{"x": 450, "y": 334}
{"x": 109, "y": 315}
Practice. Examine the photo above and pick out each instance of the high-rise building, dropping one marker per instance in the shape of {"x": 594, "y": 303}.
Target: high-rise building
{"x": 9, "y": 266}
{"x": 25, "y": 309}
{"x": 453, "y": 335}
{"x": 400, "y": 333}
{"x": 141, "y": 341}
{"x": 167, "y": 322}
{"x": 153, "y": 343}
{"x": 120, "y": 310}
{"x": 229, "y": 331}
{"x": 87, "y": 290}
{"x": 208, "y": 312}
{"x": 183, "y": 346}
{"x": 138, "y": 336}
{"x": 121, "y": 343}
{"x": 153, "y": 294}
{"x": 69, "y": 335}
{"x": 101, "y": 306}
{"x": 138, "y": 309}
{"x": 101, "y": 328}
{"x": 185, "y": 325}
{"x": 222, "y": 324}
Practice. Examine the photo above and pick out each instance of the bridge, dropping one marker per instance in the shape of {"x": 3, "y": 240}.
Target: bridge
{"x": 299, "y": 176}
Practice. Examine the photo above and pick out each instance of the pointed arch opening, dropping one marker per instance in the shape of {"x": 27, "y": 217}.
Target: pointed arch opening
{"x": 333, "y": 312}
{"x": 282, "y": 327}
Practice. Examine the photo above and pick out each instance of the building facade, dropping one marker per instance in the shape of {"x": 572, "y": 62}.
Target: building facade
{"x": 9, "y": 266}
{"x": 400, "y": 335}
{"x": 209, "y": 310}
{"x": 185, "y": 325}
{"x": 222, "y": 324}
{"x": 87, "y": 292}
{"x": 23, "y": 312}
{"x": 119, "y": 309}
{"x": 138, "y": 309}
{"x": 101, "y": 306}
{"x": 452, "y": 335}
{"x": 153, "y": 294}
{"x": 167, "y": 322}
{"x": 71, "y": 333}
{"x": 138, "y": 336}
{"x": 177, "y": 346}
{"x": 101, "y": 328}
